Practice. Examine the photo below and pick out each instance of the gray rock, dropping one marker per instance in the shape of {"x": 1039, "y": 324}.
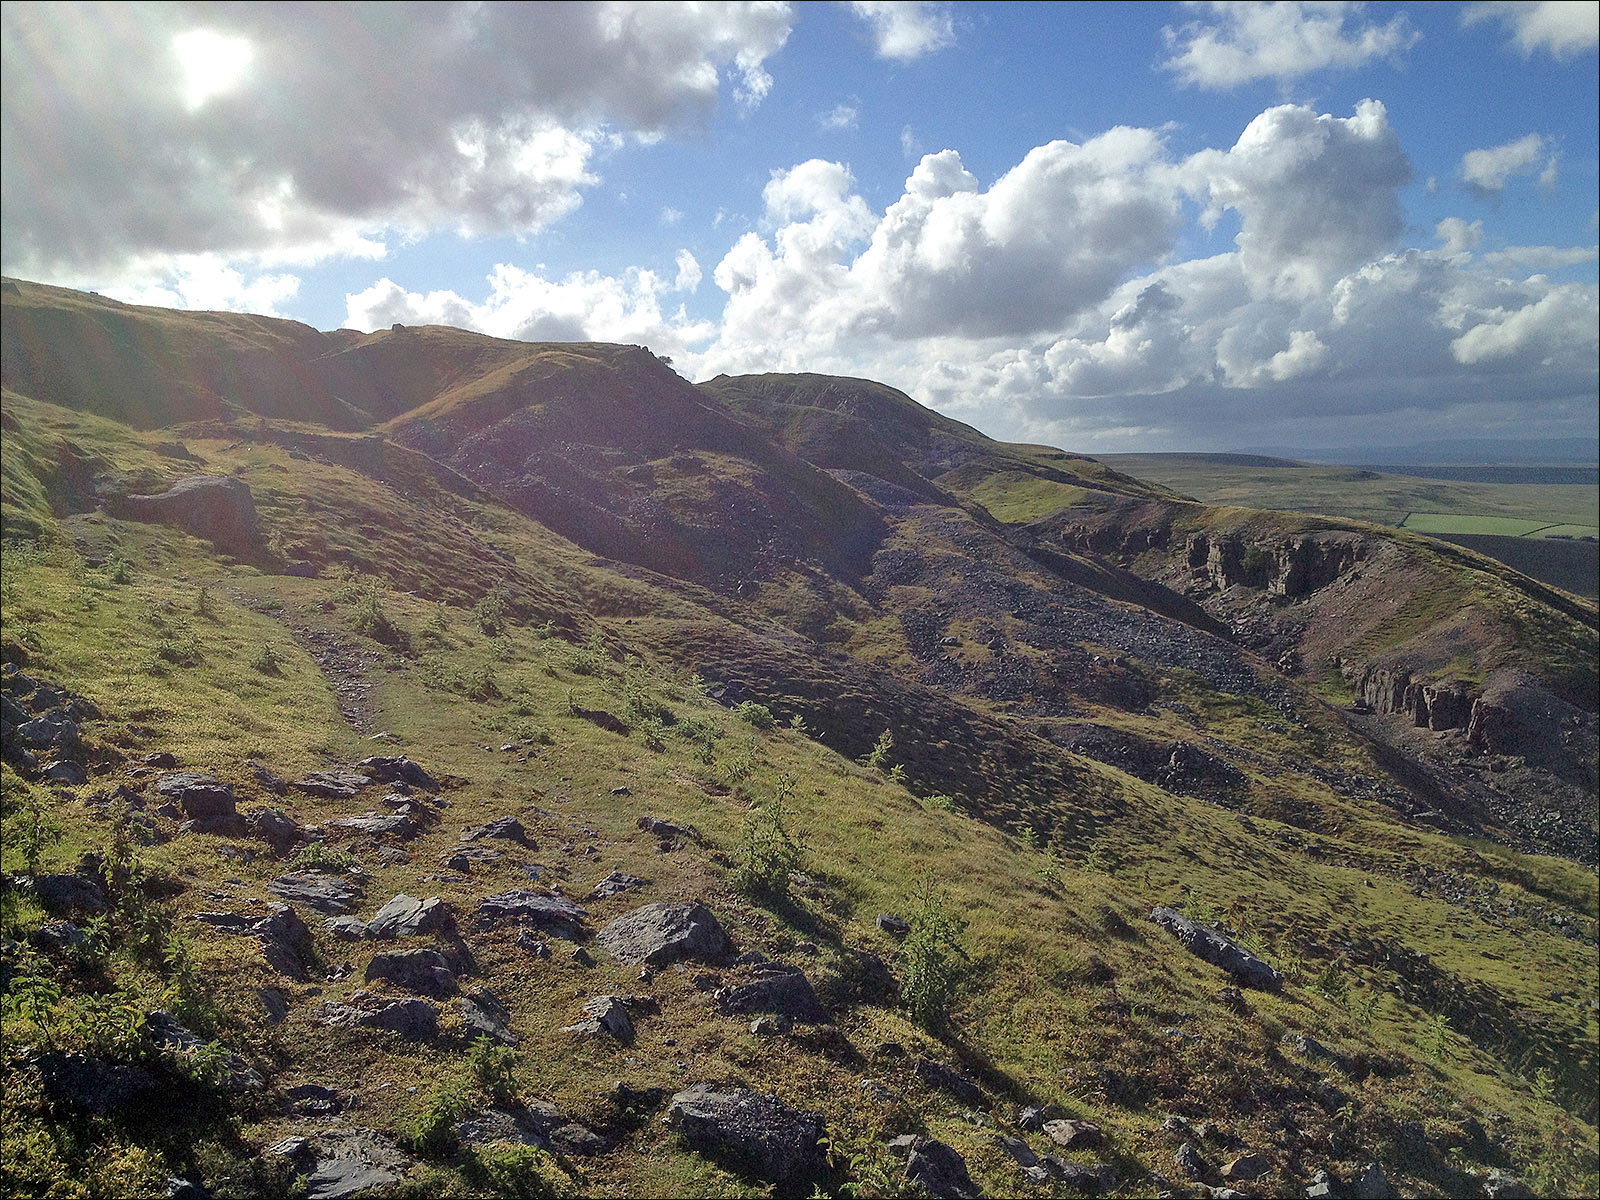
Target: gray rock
{"x": 783, "y": 991}
{"x": 57, "y": 935}
{"x": 411, "y": 1018}
{"x": 378, "y": 825}
{"x": 541, "y": 910}
{"x": 485, "y": 1016}
{"x": 755, "y": 1131}
{"x": 332, "y": 785}
{"x": 196, "y": 794}
{"x": 608, "y": 1015}
{"x": 276, "y": 1002}
{"x": 66, "y": 772}
{"x": 218, "y": 508}
{"x": 662, "y": 829}
{"x": 315, "y": 1100}
{"x": 69, "y": 894}
{"x": 406, "y": 916}
{"x": 1019, "y": 1150}
{"x": 384, "y": 768}
{"x": 55, "y": 730}
{"x": 935, "y": 1169}
{"x": 615, "y": 884}
{"x": 1309, "y": 1047}
{"x": 946, "y": 1079}
{"x": 347, "y": 1162}
{"x": 1031, "y": 1119}
{"x": 535, "y": 945}
{"x": 1219, "y": 950}
{"x": 424, "y": 971}
{"x": 663, "y": 933}
{"x": 504, "y": 828}
{"x": 167, "y": 1032}
{"x": 1500, "y": 1185}
{"x": 349, "y": 929}
{"x": 772, "y": 1025}
{"x": 93, "y": 1085}
{"x": 1074, "y": 1135}
{"x": 1101, "y": 1177}
{"x": 266, "y": 778}
{"x": 275, "y": 827}
{"x": 333, "y": 894}
{"x": 1322, "y": 1187}
{"x": 893, "y": 924}
{"x": 1247, "y": 1167}
{"x": 1371, "y": 1184}
{"x": 1190, "y": 1162}
{"x": 179, "y": 1188}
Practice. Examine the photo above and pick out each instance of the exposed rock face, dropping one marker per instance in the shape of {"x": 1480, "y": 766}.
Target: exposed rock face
{"x": 484, "y": 1015}
{"x": 756, "y": 1131}
{"x": 946, "y": 1079}
{"x": 1446, "y": 704}
{"x": 1219, "y": 950}
{"x": 605, "y": 1014}
{"x": 346, "y": 1162}
{"x": 781, "y": 990}
{"x": 397, "y": 769}
{"x": 326, "y": 893}
{"x": 284, "y": 938}
{"x": 937, "y": 1170}
{"x": 1288, "y": 566}
{"x": 553, "y": 914}
{"x": 216, "y": 507}
{"x": 412, "y": 1019}
{"x": 658, "y": 934}
{"x": 615, "y": 884}
{"x": 425, "y": 971}
{"x": 200, "y": 796}
{"x": 406, "y": 916}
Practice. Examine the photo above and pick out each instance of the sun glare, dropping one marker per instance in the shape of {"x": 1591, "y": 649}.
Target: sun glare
{"x": 213, "y": 64}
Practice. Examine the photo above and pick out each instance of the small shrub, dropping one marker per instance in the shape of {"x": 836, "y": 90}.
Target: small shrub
{"x": 481, "y": 684}
{"x": 493, "y": 1068}
{"x": 1438, "y": 1038}
{"x": 941, "y": 801}
{"x": 39, "y": 829}
{"x": 266, "y": 660}
{"x": 433, "y": 1130}
{"x": 870, "y": 1166}
{"x": 522, "y": 1172}
{"x": 368, "y": 616}
{"x": 592, "y": 657}
{"x": 654, "y": 734}
{"x": 436, "y": 626}
{"x": 770, "y": 851}
{"x": 490, "y": 613}
{"x": 929, "y": 955}
{"x": 319, "y": 856}
{"x": 878, "y": 757}
{"x": 756, "y": 715}
{"x": 203, "y": 607}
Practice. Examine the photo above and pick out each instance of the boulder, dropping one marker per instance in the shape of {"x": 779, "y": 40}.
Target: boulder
{"x": 218, "y": 508}
{"x": 55, "y": 730}
{"x": 615, "y": 884}
{"x": 348, "y": 1162}
{"x": 894, "y": 925}
{"x": 935, "y": 1169}
{"x": 1031, "y": 1118}
{"x": 1247, "y": 1167}
{"x": 346, "y": 929}
{"x": 1074, "y": 1135}
{"x": 945, "y": 1079}
{"x": 70, "y": 894}
{"x": 83, "y": 1084}
{"x": 1219, "y": 950}
{"x": 332, "y": 894}
{"x": 197, "y": 795}
{"x": 605, "y": 1014}
{"x": 505, "y": 828}
{"x": 755, "y": 1131}
{"x": 65, "y": 771}
{"x": 658, "y": 934}
{"x": 377, "y": 825}
{"x": 411, "y": 1018}
{"x": 57, "y": 935}
{"x": 331, "y": 785}
{"x": 384, "y": 768}
{"x": 168, "y": 1033}
{"x": 485, "y": 1016}
{"x": 1371, "y": 1184}
{"x": 782, "y": 990}
{"x": 1190, "y": 1162}
{"x": 1500, "y": 1185}
{"x": 542, "y": 910}
{"x": 424, "y": 971}
{"x": 406, "y": 916}
{"x": 276, "y": 828}
{"x": 662, "y": 829}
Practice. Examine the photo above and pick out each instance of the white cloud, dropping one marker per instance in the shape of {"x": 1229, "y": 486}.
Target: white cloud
{"x": 1457, "y": 236}
{"x": 907, "y": 29}
{"x": 486, "y": 119}
{"x": 584, "y": 306}
{"x": 910, "y": 143}
{"x": 1542, "y": 258}
{"x": 670, "y": 215}
{"x": 207, "y": 282}
{"x": 841, "y": 116}
{"x": 1564, "y": 28}
{"x": 1241, "y": 42}
{"x": 1488, "y": 170}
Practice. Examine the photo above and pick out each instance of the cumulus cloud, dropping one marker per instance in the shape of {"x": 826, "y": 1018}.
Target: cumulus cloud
{"x": 136, "y": 130}
{"x": 907, "y": 29}
{"x": 1563, "y": 28}
{"x": 585, "y": 306}
{"x": 1488, "y": 170}
{"x": 841, "y": 116}
{"x": 1045, "y": 305}
{"x": 1242, "y": 42}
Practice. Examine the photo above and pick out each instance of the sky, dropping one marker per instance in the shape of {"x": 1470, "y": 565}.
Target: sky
{"x": 1100, "y": 226}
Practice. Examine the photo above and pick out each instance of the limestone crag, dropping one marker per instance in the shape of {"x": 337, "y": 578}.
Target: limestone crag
{"x": 1286, "y": 566}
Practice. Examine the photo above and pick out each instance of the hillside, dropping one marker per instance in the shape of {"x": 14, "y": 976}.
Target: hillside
{"x": 443, "y": 765}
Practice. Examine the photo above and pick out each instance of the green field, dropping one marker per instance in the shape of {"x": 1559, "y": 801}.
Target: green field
{"x": 1370, "y": 495}
{"x": 1433, "y": 522}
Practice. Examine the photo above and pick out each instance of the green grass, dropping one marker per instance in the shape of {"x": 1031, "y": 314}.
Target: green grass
{"x": 1430, "y": 522}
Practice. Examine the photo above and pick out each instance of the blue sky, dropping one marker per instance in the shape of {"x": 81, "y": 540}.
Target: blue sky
{"x": 1106, "y": 226}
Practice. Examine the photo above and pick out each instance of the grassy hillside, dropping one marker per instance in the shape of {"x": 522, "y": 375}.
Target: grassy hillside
{"x": 403, "y": 598}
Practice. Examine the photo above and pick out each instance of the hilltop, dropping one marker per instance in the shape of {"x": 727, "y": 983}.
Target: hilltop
{"x": 514, "y": 769}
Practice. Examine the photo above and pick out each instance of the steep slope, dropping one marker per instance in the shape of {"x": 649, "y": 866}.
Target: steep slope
{"x": 699, "y": 714}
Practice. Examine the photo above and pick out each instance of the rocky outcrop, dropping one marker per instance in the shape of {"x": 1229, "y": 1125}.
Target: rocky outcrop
{"x": 1219, "y": 950}
{"x": 757, "y": 1132}
{"x": 218, "y": 508}
{"x": 1439, "y": 705}
{"x": 658, "y": 934}
{"x": 1284, "y": 566}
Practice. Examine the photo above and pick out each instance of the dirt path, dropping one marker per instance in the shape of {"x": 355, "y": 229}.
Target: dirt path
{"x": 345, "y": 665}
